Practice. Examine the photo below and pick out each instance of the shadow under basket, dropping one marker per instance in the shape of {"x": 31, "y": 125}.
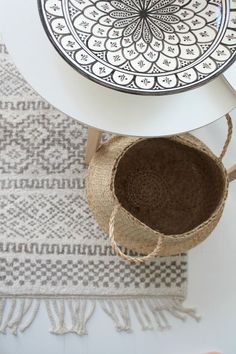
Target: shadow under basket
{"x": 158, "y": 196}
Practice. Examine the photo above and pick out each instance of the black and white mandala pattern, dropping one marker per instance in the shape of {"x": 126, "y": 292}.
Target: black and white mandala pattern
{"x": 144, "y": 46}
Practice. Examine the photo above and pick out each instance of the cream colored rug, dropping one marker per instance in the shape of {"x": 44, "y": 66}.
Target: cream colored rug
{"x": 51, "y": 250}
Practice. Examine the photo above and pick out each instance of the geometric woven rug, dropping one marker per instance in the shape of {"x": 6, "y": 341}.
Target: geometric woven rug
{"x": 51, "y": 250}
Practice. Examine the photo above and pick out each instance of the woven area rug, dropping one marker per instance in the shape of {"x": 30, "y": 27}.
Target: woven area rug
{"x": 51, "y": 250}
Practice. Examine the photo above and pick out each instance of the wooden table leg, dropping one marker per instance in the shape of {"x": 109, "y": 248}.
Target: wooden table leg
{"x": 232, "y": 173}
{"x": 93, "y": 141}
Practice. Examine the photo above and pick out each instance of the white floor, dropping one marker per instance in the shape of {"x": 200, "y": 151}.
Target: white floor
{"x": 212, "y": 289}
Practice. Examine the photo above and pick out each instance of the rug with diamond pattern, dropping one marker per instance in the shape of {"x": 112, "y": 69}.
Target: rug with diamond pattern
{"x": 52, "y": 253}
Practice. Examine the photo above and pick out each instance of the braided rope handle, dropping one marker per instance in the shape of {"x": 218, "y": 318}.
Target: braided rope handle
{"x": 229, "y": 136}
{"x": 117, "y": 249}
{"x": 232, "y": 171}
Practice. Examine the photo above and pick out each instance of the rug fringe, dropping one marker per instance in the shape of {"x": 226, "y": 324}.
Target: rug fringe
{"x": 17, "y": 314}
{"x": 72, "y": 315}
{"x": 76, "y": 312}
{"x": 118, "y": 311}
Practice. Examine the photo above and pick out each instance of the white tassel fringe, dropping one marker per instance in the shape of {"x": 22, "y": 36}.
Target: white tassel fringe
{"x": 72, "y": 315}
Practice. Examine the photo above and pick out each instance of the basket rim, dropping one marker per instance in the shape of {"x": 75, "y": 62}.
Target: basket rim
{"x": 193, "y": 143}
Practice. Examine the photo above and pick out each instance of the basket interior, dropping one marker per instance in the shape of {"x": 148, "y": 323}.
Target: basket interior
{"x": 167, "y": 185}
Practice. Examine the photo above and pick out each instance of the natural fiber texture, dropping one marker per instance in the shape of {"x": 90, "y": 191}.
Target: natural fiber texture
{"x": 51, "y": 249}
{"x": 170, "y": 191}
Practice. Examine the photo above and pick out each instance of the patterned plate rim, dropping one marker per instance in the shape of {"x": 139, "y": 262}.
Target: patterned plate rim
{"x": 143, "y": 92}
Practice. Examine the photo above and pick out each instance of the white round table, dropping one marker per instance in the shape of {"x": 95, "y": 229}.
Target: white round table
{"x": 93, "y": 104}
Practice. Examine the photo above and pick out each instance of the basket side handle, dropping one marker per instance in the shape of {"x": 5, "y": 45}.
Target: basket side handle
{"x": 117, "y": 249}
{"x": 232, "y": 170}
{"x": 229, "y": 136}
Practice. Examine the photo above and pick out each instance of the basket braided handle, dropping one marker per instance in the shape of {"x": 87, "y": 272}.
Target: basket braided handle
{"x": 231, "y": 171}
{"x": 229, "y": 136}
{"x": 117, "y": 249}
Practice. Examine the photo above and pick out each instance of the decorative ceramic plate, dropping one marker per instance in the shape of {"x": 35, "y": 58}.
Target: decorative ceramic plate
{"x": 144, "y": 46}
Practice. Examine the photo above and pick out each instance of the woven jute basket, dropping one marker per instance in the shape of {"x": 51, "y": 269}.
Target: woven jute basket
{"x": 157, "y": 196}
